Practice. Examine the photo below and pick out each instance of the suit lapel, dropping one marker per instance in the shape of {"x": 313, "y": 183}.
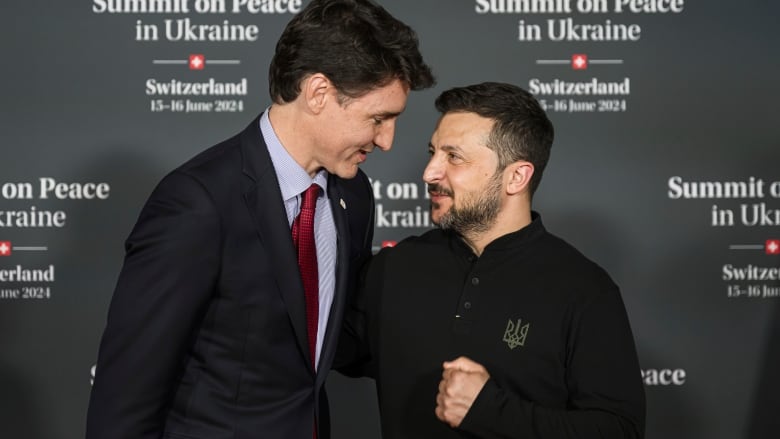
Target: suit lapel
{"x": 340, "y": 210}
{"x": 264, "y": 201}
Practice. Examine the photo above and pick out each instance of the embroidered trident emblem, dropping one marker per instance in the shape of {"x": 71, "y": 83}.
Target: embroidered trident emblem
{"x": 515, "y": 334}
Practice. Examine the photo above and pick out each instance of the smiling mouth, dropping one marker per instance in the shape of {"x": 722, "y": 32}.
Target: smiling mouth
{"x": 437, "y": 199}
{"x": 436, "y": 192}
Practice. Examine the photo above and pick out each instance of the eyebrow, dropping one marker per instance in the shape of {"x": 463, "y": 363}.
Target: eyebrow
{"x": 446, "y": 148}
{"x": 388, "y": 114}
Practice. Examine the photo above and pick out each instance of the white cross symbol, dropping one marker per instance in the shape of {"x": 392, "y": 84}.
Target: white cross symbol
{"x": 578, "y": 61}
{"x": 196, "y": 62}
{"x": 772, "y": 247}
{"x": 4, "y": 249}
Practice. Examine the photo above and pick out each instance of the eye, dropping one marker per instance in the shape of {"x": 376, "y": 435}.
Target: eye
{"x": 451, "y": 156}
{"x": 378, "y": 121}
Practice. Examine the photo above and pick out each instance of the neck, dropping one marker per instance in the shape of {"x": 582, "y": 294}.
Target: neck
{"x": 290, "y": 124}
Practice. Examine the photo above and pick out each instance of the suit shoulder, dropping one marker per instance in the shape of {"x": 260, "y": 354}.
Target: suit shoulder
{"x": 213, "y": 159}
{"x": 204, "y": 175}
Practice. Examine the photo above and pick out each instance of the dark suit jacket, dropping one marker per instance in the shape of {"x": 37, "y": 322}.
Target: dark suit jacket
{"x": 206, "y": 334}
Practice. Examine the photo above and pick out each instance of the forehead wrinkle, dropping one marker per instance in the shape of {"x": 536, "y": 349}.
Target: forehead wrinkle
{"x": 467, "y": 133}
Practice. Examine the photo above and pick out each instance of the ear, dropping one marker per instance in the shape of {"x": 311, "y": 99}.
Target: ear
{"x": 520, "y": 173}
{"x": 316, "y": 90}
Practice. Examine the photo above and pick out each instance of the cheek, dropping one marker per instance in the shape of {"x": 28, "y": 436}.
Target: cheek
{"x": 339, "y": 144}
{"x": 354, "y": 140}
{"x": 348, "y": 152}
{"x": 459, "y": 184}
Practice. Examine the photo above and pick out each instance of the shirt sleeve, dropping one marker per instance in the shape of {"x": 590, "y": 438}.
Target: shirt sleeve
{"x": 606, "y": 396}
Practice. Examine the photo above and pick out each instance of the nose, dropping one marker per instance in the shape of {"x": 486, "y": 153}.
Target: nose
{"x": 433, "y": 171}
{"x": 383, "y": 139}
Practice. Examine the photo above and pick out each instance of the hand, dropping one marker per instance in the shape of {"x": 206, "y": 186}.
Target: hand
{"x": 462, "y": 380}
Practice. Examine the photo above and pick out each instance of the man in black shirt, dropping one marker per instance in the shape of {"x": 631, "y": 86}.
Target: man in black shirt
{"x": 489, "y": 326}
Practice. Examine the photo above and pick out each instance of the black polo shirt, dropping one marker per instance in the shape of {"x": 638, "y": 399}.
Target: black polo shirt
{"x": 548, "y": 324}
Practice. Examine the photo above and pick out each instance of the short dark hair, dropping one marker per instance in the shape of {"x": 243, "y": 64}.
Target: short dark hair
{"x": 521, "y": 129}
{"x": 357, "y": 44}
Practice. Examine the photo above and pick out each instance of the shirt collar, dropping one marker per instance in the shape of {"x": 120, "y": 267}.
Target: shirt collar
{"x": 514, "y": 239}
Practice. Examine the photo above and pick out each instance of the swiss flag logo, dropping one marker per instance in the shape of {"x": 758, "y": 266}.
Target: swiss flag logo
{"x": 5, "y": 248}
{"x": 772, "y": 246}
{"x": 197, "y": 61}
{"x": 579, "y": 61}
{"x": 389, "y": 243}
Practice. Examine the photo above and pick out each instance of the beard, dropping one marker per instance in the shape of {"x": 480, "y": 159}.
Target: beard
{"x": 479, "y": 210}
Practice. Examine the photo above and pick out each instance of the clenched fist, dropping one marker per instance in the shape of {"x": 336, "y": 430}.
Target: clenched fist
{"x": 462, "y": 380}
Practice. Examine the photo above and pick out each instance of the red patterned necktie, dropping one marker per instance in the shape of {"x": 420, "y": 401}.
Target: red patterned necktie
{"x": 303, "y": 239}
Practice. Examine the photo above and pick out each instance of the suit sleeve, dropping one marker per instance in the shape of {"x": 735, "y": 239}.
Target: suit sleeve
{"x": 353, "y": 357}
{"x": 169, "y": 274}
{"x": 603, "y": 376}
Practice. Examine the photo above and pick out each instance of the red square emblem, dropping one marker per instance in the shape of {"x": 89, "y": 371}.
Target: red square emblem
{"x": 772, "y": 246}
{"x": 197, "y": 62}
{"x": 5, "y": 248}
{"x": 389, "y": 243}
{"x": 579, "y": 61}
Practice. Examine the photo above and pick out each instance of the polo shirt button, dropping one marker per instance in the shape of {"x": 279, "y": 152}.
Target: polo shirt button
{"x": 467, "y": 305}
{"x": 474, "y": 281}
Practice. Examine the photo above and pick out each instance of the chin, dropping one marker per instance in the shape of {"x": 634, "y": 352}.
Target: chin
{"x": 348, "y": 173}
{"x": 437, "y": 210}
{"x": 436, "y": 215}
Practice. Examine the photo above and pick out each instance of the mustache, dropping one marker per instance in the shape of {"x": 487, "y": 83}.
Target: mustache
{"x": 439, "y": 189}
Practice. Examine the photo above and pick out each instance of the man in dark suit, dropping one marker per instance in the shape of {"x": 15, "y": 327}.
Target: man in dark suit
{"x": 213, "y": 331}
